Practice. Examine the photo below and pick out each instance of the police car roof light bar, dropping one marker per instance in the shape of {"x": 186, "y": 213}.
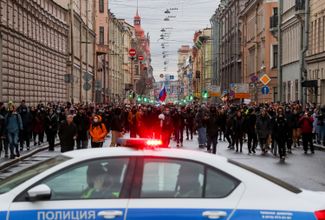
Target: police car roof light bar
{"x": 139, "y": 143}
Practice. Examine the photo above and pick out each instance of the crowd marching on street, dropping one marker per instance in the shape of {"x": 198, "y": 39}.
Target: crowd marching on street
{"x": 274, "y": 128}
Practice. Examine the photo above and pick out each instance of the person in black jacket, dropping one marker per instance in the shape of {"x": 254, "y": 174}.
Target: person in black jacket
{"x": 263, "y": 129}
{"x": 116, "y": 126}
{"x": 27, "y": 119}
{"x": 51, "y": 127}
{"x": 189, "y": 123}
{"x": 212, "y": 129}
{"x": 238, "y": 125}
{"x": 67, "y": 134}
{"x": 82, "y": 122}
{"x": 280, "y": 132}
{"x": 250, "y": 124}
{"x": 179, "y": 124}
{"x": 291, "y": 121}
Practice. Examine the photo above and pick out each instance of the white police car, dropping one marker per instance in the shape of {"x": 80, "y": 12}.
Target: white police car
{"x": 167, "y": 184}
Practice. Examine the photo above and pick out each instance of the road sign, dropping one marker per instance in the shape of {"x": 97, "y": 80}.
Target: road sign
{"x": 87, "y": 77}
{"x": 171, "y": 77}
{"x": 87, "y": 86}
{"x": 132, "y": 52}
{"x": 265, "y": 90}
{"x": 141, "y": 58}
{"x": 265, "y": 79}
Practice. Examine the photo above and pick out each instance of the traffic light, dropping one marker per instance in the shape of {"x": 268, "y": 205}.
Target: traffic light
{"x": 191, "y": 98}
{"x": 205, "y": 94}
{"x": 139, "y": 99}
{"x": 145, "y": 99}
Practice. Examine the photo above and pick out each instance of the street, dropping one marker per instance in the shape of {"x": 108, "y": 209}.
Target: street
{"x": 303, "y": 171}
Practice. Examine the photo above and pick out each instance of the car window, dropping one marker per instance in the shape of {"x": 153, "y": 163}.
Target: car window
{"x": 100, "y": 179}
{"x": 20, "y": 177}
{"x": 218, "y": 184}
{"x": 172, "y": 179}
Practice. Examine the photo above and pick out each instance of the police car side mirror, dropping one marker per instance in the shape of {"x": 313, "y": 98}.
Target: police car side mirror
{"x": 39, "y": 192}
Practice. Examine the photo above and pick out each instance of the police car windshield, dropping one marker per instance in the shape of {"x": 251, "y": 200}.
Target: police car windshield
{"x": 20, "y": 177}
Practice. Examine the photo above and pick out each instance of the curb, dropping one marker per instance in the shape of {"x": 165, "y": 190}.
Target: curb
{"x": 23, "y": 157}
{"x": 319, "y": 147}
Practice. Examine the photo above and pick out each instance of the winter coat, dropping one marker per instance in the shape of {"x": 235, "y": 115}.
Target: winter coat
{"x": 67, "y": 132}
{"x": 263, "y": 126}
{"x": 98, "y": 132}
{"x": 238, "y": 125}
{"x": 200, "y": 120}
{"x": 116, "y": 124}
{"x": 213, "y": 125}
{"x": 51, "y": 124}
{"x": 13, "y": 123}
{"x": 38, "y": 123}
{"x": 280, "y": 129}
{"x": 27, "y": 119}
{"x": 306, "y": 125}
{"x": 2, "y": 126}
{"x": 83, "y": 124}
{"x": 178, "y": 120}
{"x": 250, "y": 123}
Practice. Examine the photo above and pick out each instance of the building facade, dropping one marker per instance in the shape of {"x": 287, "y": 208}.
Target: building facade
{"x": 229, "y": 42}
{"x": 143, "y": 77}
{"x": 102, "y": 51}
{"x": 291, "y": 47}
{"x": 115, "y": 90}
{"x": 184, "y": 73}
{"x": 215, "y": 26}
{"x": 82, "y": 41}
{"x": 33, "y": 50}
{"x": 202, "y": 61}
{"x": 315, "y": 86}
{"x": 259, "y": 48}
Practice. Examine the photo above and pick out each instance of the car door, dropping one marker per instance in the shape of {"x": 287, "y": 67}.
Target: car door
{"x": 182, "y": 189}
{"x": 94, "y": 189}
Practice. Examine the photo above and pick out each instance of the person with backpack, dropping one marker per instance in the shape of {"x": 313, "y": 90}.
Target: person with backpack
{"x": 13, "y": 126}
{"x": 97, "y": 132}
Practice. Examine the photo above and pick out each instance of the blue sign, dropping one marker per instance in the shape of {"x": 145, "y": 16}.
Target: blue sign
{"x": 265, "y": 90}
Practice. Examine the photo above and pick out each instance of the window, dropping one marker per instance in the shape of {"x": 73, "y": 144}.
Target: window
{"x": 100, "y": 179}
{"x": 218, "y": 185}
{"x": 275, "y": 56}
{"x": 101, "y": 6}
{"x": 101, "y": 35}
{"x": 184, "y": 179}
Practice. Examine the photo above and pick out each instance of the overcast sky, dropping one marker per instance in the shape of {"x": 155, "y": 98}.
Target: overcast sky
{"x": 192, "y": 15}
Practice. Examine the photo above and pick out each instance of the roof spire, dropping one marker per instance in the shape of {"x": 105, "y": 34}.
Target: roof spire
{"x": 138, "y": 8}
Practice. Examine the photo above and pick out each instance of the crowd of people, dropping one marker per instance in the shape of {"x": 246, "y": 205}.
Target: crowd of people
{"x": 274, "y": 127}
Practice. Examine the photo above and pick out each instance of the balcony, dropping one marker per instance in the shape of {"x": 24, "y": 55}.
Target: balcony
{"x": 300, "y": 6}
{"x": 102, "y": 49}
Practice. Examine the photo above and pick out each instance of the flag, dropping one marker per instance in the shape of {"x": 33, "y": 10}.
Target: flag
{"x": 163, "y": 94}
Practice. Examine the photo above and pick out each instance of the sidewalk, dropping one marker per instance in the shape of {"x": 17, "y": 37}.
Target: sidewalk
{"x": 319, "y": 147}
{"x": 6, "y": 162}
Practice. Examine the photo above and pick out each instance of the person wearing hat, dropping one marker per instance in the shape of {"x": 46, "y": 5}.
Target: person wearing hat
{"x": 97, "y": 132}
